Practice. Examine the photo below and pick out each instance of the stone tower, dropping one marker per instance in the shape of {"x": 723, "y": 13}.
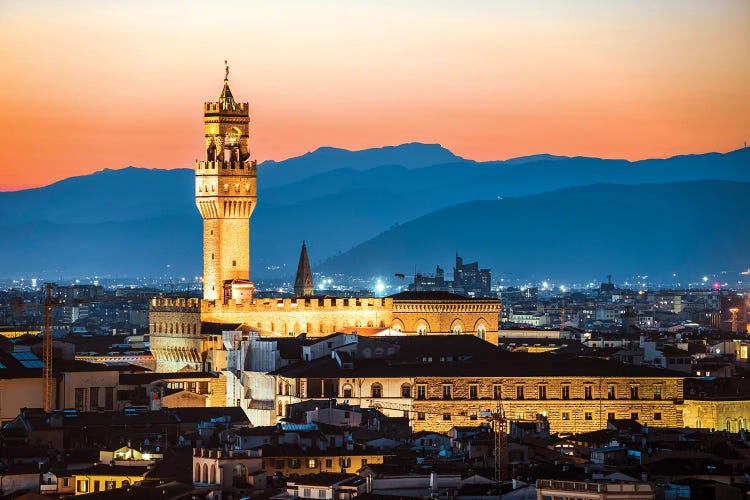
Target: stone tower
{"x": 225, "y": 193}
{"x": 303, "y": 283}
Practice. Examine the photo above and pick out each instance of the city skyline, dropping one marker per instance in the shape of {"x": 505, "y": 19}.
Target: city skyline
{"x": 634, "y": 80}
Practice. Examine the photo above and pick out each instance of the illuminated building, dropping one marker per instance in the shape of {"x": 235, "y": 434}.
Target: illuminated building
{"x": 225, "y": 194}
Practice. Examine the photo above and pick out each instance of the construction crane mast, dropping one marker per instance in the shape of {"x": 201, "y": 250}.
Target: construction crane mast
{"x": 47, "y": 348}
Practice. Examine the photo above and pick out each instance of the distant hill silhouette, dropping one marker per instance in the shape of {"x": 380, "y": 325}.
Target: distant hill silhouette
{"x": 582, "y": 233}
{"x": 411, "y": 155}
{"x": 121, "y": 222}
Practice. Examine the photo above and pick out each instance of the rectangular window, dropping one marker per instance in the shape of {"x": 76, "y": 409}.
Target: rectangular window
{"x": 80, "y": 399}
{"x": 542, "y": 392}
{"x": 97, "y": 485}
{"x": 82, "y": 486}
{"x": 588, "y": 416}
{"x": 633, "y": 392}
{"x": 657, "y": 391}
{"x": 364, "y": 462}
{"x": 634, "y": 416}
{"x": 657, "y": 415}
{"x": 611, "y": 415}
{"x": 321, "y": 493}
{"x": 565, "y": 394}
{"x": 306, "y": 493}
{"x": 588, "y": 392}
{"x": 346, "y": 462}
{"x": 497, "y": 391}
{"x": 446, "y": 416}
{"x": 565, "y": 415}
{"x": 312, "y": 463}
{"x": 329, "y": 463}
{"x": 447, "y": 391}
{"x": 420, "y": 415}
{"x": 421, "y": 391}
{"x": 93, "y": 402}
{"x": 109, "y": 398}
{"x": 611, "y": 392}
{"x": 347, "y": 392}
{"x": 295, "y": 463}
{"x": 519, "y": 392}
{"x": 473, "y": 391}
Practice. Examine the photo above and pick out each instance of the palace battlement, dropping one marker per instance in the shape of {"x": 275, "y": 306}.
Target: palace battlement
{"x": 240, "y": 108}
{"x": 270, "y": 304}
{"x": 213, "y": 167}
{"x": 298, "y": 304}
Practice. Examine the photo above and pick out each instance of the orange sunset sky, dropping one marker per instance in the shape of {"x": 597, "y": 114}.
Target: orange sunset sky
{"x": 87, "y": 85}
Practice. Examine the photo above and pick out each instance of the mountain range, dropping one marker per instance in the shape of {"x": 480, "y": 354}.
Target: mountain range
{"x": 387, "y": 210}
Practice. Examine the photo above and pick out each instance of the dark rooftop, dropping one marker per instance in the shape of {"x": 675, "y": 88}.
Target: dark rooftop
{"x": 463, "y": 356}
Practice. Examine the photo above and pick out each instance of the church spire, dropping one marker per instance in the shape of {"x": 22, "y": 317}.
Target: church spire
{"x": 303, "y": 284}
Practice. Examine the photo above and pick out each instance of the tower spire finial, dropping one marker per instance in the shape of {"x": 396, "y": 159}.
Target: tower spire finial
{"x": 226, "y": 69}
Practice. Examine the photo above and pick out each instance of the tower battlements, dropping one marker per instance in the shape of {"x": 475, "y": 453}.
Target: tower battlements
{"x": 203, "y": 167}
{"x": 226, "y": 108}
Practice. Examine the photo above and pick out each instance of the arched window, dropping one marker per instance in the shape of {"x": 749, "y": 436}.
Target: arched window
{"x": 741, "y": 425}
{"x": 405, "y": 391}
{"x": 422, "y": 329}
{"x": 197, "y": 476}
{"x": 205, "y": 473}
{"x": 376, "y": 390}
{"x": 456, "y": 330}
{"x": 280, "y": 409}
{"x": 482, "y": 332}
{"x": 346, "y": 391}
{"x": 396, "y": 327}
{"x": 281, "y": 388}
{"x": 213, "y": 474}
{"x": 729, "y": 425}
{"x": 239, "y": 473}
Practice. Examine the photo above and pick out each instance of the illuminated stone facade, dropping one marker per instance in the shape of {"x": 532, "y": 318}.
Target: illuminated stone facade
{"x": 225, "y": 194}
{"x": 448, "y": 381}
{"x": 721, "y": 415}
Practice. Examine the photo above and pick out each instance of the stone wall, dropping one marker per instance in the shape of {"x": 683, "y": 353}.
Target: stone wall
{"x": 718, "y": 415}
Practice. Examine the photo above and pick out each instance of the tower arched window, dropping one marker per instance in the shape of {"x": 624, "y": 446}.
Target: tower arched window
{"x": 376, "y": 390}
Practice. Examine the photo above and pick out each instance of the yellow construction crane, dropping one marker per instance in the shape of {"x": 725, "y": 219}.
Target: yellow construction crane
{"x": 498, "y": 422}
{"x": 48, "y": 304}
